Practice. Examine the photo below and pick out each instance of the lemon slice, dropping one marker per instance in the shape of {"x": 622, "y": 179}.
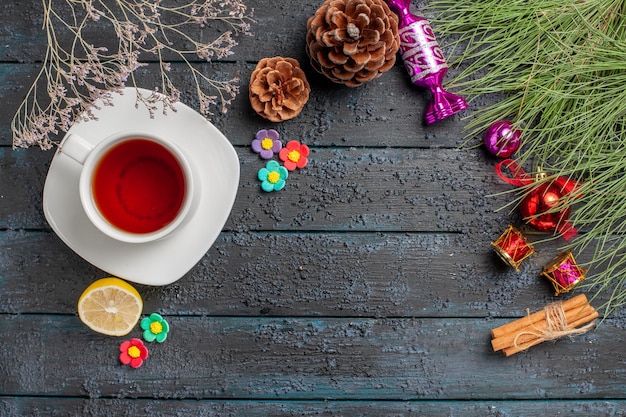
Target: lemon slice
{"x": 110, "y": 306}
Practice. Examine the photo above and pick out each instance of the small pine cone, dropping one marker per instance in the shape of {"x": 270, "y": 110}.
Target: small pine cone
{"x": 352, "y": 41}
{"x": 278, "y": 88}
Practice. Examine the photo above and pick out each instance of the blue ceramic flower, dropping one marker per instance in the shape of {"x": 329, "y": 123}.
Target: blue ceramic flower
{"x": 273, "y": 176}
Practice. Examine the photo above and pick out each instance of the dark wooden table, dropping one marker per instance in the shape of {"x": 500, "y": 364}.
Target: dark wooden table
{"x": 367, "y": 286}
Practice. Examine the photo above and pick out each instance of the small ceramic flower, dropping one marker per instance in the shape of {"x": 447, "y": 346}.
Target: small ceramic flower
{"x": 267, "y": 143}
{"x": 154, "y": 328}
{"x": 273, "y": 176}
{"x": 294, "y": 155}
{"x": 133, "y": 352}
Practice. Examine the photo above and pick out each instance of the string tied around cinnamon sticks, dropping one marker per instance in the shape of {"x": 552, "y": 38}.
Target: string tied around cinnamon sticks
{"x": 557, "y": 320}
{"x": 556, "y": 325}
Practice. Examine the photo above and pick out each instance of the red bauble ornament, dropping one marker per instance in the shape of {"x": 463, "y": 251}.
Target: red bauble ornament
{"x": 539, "y": 208}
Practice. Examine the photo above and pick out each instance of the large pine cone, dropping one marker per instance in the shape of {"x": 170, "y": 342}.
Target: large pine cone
{"x": 278, "y": 88}
{"x": 352, "y": 41}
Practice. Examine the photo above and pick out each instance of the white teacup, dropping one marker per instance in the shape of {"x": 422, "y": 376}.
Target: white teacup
{"x": 134, "y": 187}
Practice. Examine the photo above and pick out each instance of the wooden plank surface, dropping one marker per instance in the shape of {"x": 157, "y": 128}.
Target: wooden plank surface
{"x": 384, "y": 113}
{"x": 296, "y": 274}
{"x": 219, "y": 408}
{"x": 309, "y": 358}
{"x": 341, "y": 189}
{"x": 366, "y": 288}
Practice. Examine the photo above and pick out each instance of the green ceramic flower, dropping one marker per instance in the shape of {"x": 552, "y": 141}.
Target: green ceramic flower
{"x": 155, "y": 328}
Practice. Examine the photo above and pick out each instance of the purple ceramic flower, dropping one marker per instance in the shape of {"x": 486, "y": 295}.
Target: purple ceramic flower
{"x": 267, "y": 143}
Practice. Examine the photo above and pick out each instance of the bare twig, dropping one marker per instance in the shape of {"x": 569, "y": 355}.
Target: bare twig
{"x": 77, "y": 73}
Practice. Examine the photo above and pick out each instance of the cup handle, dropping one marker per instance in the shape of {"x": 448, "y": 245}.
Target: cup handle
{"x": 76, "y": 148}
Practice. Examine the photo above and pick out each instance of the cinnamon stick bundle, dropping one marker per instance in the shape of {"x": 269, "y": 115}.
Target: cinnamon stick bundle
{"x": 553, "y": 322}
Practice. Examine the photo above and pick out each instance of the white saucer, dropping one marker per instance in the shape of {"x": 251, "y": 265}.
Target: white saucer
{"x": 166, "y": 260}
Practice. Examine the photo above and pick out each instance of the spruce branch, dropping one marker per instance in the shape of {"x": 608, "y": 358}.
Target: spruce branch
{"x": 558, "y": 69}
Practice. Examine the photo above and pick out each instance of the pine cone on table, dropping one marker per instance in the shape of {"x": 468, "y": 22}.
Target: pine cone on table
{"x": 278, "y": 88}
{"x": 352, "y": 41}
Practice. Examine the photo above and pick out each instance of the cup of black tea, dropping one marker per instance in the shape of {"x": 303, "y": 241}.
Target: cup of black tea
{"x": 134, "y": 187}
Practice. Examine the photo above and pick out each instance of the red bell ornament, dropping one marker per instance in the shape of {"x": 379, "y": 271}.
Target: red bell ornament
{"x": 540, "y": 208}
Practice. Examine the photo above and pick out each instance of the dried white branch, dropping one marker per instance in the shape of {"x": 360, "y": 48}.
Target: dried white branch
{"x": 77, "y": 73}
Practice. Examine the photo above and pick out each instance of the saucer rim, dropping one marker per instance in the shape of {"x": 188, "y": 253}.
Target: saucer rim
{"x": 155, "y": 270}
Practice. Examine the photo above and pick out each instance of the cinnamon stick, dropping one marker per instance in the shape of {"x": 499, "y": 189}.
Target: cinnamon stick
{"x": 526, "y": 333}
{"x": 552, "y": 322}
{"x": 515, "y": 326}
{"x": 530, "y": 343}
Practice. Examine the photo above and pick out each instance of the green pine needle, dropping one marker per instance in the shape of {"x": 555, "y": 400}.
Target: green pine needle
{"x": 559, "y": 69}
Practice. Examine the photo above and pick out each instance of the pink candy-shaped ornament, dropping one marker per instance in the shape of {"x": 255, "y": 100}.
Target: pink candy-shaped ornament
{"x": 425, "y": 62}
{"x": 501, "y": 139}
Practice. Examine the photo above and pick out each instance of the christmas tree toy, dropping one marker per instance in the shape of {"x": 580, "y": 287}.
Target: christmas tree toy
{"x": 501, "y": 139}
{"x": 425, "y": 62}
{"x": 513, "y": 247}
{"x": 563, "y": 272}
{"x": 543, "y": 206}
